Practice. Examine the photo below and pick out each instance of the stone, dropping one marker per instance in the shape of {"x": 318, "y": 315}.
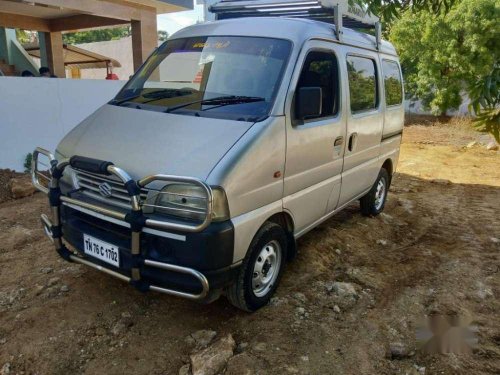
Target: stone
{"x": 336, "y": 309}
{"x": 38, "y": 289}
{"x": 365, "y": 276}
{"x": 492, "y": 146}
{"x": 213, "y": 359}
{"x": 344, "y": 290}
{"x": 277, "y": 301}
{"x": 420, "y": 369}
{"x": 260, "y": 347}
{"x": 185, "y": 370}
{"x": 495, "y": 240}
{"x": 406, "y": 204}
{"x": 53, "y": 281}
{"x": 483, "y": 291}
{"x": 300, "y": 311}
{"x": 20, "y": 188}
{"x": 382, "y": 242}
{"x": 51, "y": 292}
{"x": 46, "y": 270}
{"x": 20, "y": 236}
{"x": 203, "y": 338}
{"x": 471, "y": 144}
{"x": 292, "y": 370}
{"x": 64, "y": 288}
{"x": 386, "y": 218}
{"x": 118, "y": 328}
{"x": 300, "y": 297}
{"x": 329, "y": 286}
{"x": 398, "y": 350}
{"x": 242, "y": 364}
{"x": 5, "y": 369}
{"x": 338, "y": 252}
{"x": 242, "y": 346}
{"x": 304, "y": 358}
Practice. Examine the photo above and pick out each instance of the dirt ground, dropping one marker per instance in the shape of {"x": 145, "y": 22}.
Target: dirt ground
{"x": 435, "y": 250}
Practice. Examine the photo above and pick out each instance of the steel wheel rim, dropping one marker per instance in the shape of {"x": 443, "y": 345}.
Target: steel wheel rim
{"x": 266, "y": 268}
{"x": 380, "y": 194}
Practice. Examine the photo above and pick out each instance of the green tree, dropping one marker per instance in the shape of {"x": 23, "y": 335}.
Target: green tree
{"x": 388, "y": 10}
{"x": 96, "y": 35}
{"x": 485, "y": 102}
{"x": 446, "y": 53}
{"x": 162, "y": 35}
{"x": 104, "y": 35}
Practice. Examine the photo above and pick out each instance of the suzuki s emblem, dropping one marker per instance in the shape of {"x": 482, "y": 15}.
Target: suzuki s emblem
{"x": 105, "y": 189}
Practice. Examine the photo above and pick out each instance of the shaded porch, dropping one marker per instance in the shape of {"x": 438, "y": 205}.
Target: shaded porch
{"x": 53, "y": 17}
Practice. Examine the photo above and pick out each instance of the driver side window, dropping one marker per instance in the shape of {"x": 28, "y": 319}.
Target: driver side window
{"x": 320, "y": 70}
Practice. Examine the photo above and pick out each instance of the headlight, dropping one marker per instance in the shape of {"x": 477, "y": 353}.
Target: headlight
{"x": 69, "y": 175}
{"x": 190, "y": 202}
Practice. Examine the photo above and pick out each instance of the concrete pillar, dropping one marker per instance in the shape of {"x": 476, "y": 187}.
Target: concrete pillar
{"x": 53, "y": 53}
{"x": 44, "y": 61}
{"x": 144, "y": 38}
{"x": 6, "y": 36}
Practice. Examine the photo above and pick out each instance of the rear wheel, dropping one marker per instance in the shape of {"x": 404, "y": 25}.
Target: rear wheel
{"x": 373, "y": 202}
{"x": 261, "y": 270}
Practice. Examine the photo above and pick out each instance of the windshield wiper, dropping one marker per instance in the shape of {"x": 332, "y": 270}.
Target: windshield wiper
{"x": 165, "y": 94}
{"x": 219, "y": 101}
{"x": 124, "y": 100}
{"x": 154, "y": 95}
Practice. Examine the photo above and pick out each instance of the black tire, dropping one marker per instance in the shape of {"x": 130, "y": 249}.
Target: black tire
{"x": 370, "y": 203}
{"x": 241, "y": 293}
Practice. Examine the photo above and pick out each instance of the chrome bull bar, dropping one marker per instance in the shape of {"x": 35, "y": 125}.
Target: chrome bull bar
{"x": 134, "y": 217}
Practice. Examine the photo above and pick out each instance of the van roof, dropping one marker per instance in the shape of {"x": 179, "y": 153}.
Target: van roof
{"x": 297, "y": 30}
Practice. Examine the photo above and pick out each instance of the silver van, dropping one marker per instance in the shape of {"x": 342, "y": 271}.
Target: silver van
{"x": 234, "y": 138}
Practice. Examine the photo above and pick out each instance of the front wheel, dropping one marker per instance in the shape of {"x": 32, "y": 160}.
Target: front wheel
{"x": 261, "y": 270}
{"x": 373, "y": 202}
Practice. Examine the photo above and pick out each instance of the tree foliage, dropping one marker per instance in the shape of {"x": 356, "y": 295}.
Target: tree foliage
{"x": 485, "y": 102}
{"x": 162, "y": 35}
{"x": 96, "y": 35}
{"x": 446, "y": 53}
{"x": 388, "y": 10}
{"x": 104, "y": 35}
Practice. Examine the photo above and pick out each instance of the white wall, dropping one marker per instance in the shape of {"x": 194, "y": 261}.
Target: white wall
{"x": 40, "y": 111}
{"x": 416, "y": 107}
{"x": 120, "y": 50}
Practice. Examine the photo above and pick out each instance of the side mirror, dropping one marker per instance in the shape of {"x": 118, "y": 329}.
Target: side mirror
{"x": 308, "y": 102}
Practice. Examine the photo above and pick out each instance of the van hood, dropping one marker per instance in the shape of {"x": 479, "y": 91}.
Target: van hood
{"x": 147, "y": 142}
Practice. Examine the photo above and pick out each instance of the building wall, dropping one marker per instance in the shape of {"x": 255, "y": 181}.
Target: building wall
{"x": 120, "y": 50}
{"x": 40, "y": 111}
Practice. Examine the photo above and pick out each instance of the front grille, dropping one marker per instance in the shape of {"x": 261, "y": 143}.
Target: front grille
{"x": 89, "y": 183}
{"x": 175, "y": 206}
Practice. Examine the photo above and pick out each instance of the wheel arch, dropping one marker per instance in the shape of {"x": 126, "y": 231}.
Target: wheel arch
{"x": 388, "y": 165}
{"x": 285, "y": 220}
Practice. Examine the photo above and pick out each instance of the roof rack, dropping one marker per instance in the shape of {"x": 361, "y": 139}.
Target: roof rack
{"x": 336, "y": 12}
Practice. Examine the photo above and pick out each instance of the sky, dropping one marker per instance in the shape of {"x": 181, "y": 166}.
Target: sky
{"x": 176, "y": 21}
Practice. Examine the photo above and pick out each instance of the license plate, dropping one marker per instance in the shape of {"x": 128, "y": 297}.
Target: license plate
{"x": 101, "y": 250}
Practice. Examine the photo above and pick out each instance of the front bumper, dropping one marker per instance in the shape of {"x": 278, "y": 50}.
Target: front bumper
{"x": 188, "y": 261}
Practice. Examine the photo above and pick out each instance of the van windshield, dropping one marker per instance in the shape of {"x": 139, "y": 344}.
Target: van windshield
{"x": 222, "y": 77}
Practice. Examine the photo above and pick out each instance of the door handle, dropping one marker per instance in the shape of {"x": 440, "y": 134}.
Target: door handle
{"x": 352, "y": 141}
{"x": 338, "y": 141}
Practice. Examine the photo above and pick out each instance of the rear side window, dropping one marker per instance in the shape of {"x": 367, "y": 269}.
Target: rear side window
{"x": 392, "y": 83}
{"x": 320, "y": 70}
{"x": 362, "y": 83}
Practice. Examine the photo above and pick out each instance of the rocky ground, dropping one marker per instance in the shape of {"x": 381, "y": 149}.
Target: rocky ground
{"x": 350, "y": 302}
